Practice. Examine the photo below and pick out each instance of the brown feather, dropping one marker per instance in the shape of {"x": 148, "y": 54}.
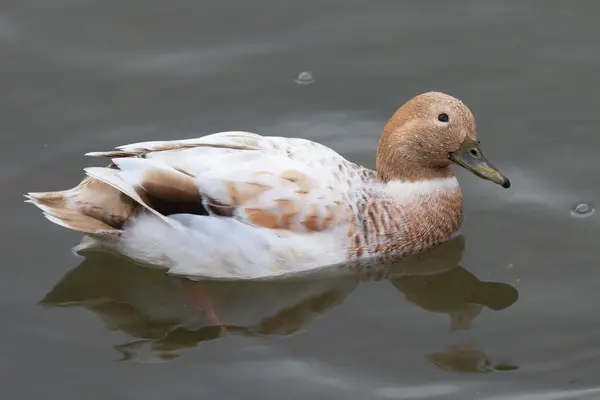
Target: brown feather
{"x": 92, "y": 206}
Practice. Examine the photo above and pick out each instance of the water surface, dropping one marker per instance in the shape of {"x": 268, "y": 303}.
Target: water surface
{"x": 502, "y": 313}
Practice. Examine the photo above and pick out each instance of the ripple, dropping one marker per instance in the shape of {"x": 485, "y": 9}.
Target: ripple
{"x": 582, "y": 210}
{"x": 418, "y": 392}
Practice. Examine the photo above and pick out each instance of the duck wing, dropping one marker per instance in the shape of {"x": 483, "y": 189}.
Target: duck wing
{"x": 284, "y": 184}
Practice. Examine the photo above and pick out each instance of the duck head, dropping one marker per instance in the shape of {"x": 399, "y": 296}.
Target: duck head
{"x": 426, "y": 135}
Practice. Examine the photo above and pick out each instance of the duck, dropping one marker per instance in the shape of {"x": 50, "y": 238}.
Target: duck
{"x": 239, "y": 205}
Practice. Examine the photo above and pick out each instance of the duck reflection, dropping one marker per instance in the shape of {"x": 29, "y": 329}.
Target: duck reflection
{"x": 465, "y": 358}
{"x": 166, "y": 314}
{"x": 457, "y": 293}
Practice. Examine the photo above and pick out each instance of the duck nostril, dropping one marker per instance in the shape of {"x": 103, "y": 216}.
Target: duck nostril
{"x": 474, "y": 152}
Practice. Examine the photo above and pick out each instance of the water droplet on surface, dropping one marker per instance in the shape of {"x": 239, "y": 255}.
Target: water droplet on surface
{"x": 509, "y": 266}
{"x": 304, "y": 78}
{"x": 582, "y": 210}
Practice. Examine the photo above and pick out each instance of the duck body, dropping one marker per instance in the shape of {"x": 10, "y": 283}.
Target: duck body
{"x": 238, "y": 205}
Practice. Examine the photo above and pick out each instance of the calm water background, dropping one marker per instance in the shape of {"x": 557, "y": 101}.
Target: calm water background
{"x": 79, "y": 76}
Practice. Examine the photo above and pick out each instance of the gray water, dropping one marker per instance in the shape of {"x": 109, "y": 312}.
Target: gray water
{"x": 501, "y": 312}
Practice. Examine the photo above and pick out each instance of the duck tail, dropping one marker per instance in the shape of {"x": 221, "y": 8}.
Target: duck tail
{"x": 92, "y": 207}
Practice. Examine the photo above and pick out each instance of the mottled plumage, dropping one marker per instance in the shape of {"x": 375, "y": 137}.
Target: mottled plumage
{"x": 240, "y": 205}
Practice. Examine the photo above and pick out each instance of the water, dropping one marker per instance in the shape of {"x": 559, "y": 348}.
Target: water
{"x": 81, "y": 76}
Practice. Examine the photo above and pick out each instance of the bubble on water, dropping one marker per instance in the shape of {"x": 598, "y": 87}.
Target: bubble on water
{"x": 509, "y": 266}
{"x": 582, "y": 210}
{"x": 304, "y": 78}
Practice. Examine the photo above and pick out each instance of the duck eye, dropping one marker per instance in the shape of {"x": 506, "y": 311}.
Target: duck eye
{"x": 443, "y": 117}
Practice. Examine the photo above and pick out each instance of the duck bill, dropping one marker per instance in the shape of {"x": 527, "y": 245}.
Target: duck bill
{"x": 470, "y": 157}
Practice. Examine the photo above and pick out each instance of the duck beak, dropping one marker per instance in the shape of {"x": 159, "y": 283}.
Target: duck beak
{"x": 470, "y": 157}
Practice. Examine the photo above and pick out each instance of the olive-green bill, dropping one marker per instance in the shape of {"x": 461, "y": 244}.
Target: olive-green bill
{"x": 470, "y": 157}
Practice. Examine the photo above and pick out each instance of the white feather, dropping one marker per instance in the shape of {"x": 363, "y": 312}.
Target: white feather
{"x": 113, "y": 178}
{"x": 404, "y": 192}
{"x": 225, "y": 248}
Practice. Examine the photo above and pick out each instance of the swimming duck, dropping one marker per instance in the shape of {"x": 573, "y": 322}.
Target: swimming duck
{"x": 238, "y": 205}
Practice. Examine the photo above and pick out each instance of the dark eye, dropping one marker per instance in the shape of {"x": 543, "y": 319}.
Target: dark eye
{"x": 443, "y": 117}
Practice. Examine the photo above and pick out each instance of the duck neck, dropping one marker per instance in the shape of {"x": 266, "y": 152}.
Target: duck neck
{"x": 403, "y": 156}
{"x": 404, "y": 173}
{"x": 396, "y": 164}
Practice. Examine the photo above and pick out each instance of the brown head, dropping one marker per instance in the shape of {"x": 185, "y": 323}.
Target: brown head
{"x": 426, "y": 135}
